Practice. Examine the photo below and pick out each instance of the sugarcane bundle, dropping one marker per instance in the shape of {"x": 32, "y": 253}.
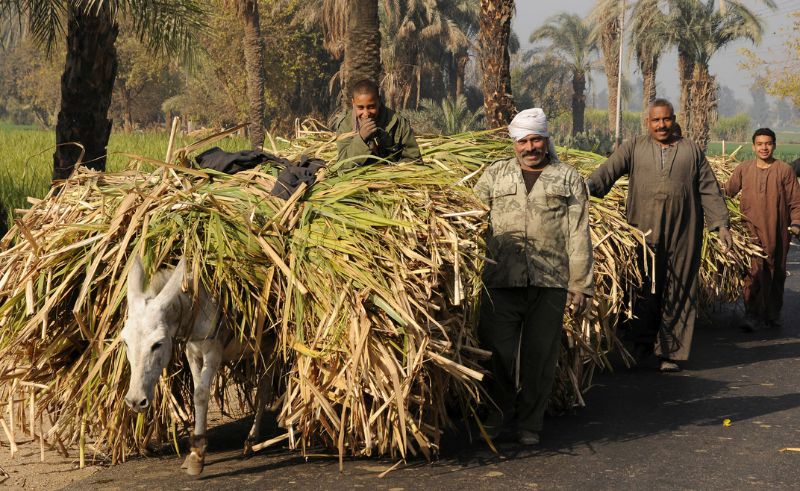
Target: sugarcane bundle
{"x": 368, "y": 282}
{"x": 721, "y": 273}
{"x": 586, "y": 341}
{"x": 370, "y": 279}
{"x": 63, "y": 288}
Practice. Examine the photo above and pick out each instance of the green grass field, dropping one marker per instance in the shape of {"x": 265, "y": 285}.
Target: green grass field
{"x": 26, "y": 164}
{"x": 787, "y": 151}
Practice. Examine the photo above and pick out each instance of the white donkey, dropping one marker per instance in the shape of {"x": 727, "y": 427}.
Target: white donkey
{"x": 156, "y": 318}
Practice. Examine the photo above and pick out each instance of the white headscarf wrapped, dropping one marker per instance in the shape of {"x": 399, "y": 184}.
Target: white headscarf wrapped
{"x": 532, "y": 122}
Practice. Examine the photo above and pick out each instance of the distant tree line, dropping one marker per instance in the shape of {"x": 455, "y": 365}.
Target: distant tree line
{"x": 452, "y": 65}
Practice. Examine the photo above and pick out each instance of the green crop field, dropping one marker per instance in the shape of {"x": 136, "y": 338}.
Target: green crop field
{"x": 26, "y": 164}
{"x": 787, "y": 151}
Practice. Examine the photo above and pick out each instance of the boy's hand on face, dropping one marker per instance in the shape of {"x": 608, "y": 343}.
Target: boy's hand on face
{"x": 366, "y": 128}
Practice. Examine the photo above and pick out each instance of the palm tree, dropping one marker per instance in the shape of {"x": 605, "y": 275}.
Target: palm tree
{"x": 83, "y": 127}
{"x": 495, "y": 31}
{"x": 543, "y": 80}
{"x": 651, "y": 33}
{"x": 464, "y": 14}
{"x": 254, "y": 66}
{"x": 687, "y": 18}
{"x": 418, "y": 34}
{"x": 708, "y": 31}
{"x": 362, "y": 44}
{"x": 570, "y": 39}
{"x": 607, "y": 33}
{"x": 451, "y": 116}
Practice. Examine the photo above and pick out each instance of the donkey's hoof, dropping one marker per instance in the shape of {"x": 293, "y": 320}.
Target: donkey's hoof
{"x": 193, "y": 465}
{"x": 247, "y": 452}
{"x": 248, "y": 446}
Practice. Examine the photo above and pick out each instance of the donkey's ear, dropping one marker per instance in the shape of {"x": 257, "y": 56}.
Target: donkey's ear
{"x": 173, "y": 287}
{"x": 136, "y": 278}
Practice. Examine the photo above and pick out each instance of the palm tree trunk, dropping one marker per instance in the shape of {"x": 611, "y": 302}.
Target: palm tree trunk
{"x": 685, "y": 71}
{"x": 451, "y": 68}
{"x": 495, "y": 30}
{"x": 254, "y": 66}
{"x": 461, "y": 72}
{"x": 419, "y": 86}
{"x": 578, "y": 101}
{"x": 609, "y": 43}
{"x": 704, "y": 104}
{"x": 86, "y": 86}
{"x": 362, "y": 45}
{"x": 649, "y": 93}
{"x": 127, "y": 97}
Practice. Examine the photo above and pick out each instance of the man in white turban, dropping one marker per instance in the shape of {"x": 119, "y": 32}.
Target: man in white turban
{"x": 540, "y": 261}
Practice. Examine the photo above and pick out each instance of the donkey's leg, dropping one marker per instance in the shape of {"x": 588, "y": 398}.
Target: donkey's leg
{"x": 195, "y": 358}
{"x": 263, "y": 393}
{"x": 211, "y": 359}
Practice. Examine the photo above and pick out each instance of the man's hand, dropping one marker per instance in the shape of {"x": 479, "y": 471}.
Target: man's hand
{"x": 795, "y": 230}
{"x": 366, "y": 128}
{"x": 577, "y": 303}
{"x": 725, "y": 238}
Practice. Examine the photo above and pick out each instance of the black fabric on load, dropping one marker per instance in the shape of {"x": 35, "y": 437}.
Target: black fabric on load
{"x": 796, "y": 166}
{"x": 233, "y": 162}
{"x": 289, "y": 178}
{"x": 304, "y": 171}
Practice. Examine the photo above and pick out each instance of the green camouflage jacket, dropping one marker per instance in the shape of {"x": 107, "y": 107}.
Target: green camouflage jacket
{"x": 395, "y": 139}
{"x": 539, "y": 238}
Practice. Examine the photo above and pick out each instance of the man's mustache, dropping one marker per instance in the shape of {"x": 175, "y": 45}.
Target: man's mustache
{"x": 535, "y": 153}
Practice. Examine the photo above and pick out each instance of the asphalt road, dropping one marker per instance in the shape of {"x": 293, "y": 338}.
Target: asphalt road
{"x": 641, "y": 430}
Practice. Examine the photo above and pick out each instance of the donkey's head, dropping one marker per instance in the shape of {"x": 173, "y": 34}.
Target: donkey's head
{"x": 153, "y": 319}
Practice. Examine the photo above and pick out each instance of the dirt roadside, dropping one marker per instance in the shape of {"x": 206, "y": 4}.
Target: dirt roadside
{"x": 26, "y": 470}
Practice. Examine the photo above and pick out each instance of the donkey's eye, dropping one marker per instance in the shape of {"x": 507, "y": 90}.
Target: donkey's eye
{"x": 156, "y": 346}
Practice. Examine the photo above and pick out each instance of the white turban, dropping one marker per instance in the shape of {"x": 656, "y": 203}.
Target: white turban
{"x": 528, "y": 122}
{"x": 532, "y": 122}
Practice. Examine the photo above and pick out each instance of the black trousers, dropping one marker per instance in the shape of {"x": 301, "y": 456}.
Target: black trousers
{"x": 536, "y": 316}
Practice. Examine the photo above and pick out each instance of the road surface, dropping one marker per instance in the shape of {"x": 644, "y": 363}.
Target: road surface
{"x": 641, "y": 430}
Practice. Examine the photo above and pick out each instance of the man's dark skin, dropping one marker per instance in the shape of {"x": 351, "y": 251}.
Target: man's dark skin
{"x": 661, "y": 123}
{"x": 372, "y": 129}
{"x": 366, "y": 108}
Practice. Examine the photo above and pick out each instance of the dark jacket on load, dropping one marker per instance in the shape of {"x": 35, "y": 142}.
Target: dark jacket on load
{"x": 232, "y": 162}
{"x": 394, "y": 139}
{"x": 289, "y": 178}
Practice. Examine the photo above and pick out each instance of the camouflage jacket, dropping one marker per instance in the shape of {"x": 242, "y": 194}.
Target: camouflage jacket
{"x": 395, "y": 139}
{"x": 539, "y": 238}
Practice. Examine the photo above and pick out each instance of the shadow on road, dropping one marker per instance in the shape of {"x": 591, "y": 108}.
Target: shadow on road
{"x": 631, "y": 404}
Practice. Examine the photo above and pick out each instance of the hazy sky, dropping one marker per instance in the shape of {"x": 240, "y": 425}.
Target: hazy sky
{"x": 533, "y": 13}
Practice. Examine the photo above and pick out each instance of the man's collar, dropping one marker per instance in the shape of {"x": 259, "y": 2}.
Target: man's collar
{"x": 670, "y": 144}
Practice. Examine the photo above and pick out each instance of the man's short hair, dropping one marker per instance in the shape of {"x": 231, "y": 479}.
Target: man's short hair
{"x": 765, "y": 132}
{"x": 365, "y": 87}
{"x": 662, "y": 103}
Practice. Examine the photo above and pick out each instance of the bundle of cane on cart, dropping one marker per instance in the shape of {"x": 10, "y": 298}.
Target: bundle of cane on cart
{"x": 368, "y": 281}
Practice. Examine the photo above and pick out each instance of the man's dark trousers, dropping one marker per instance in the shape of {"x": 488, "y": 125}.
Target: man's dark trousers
{"x": 537, "y": 314}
